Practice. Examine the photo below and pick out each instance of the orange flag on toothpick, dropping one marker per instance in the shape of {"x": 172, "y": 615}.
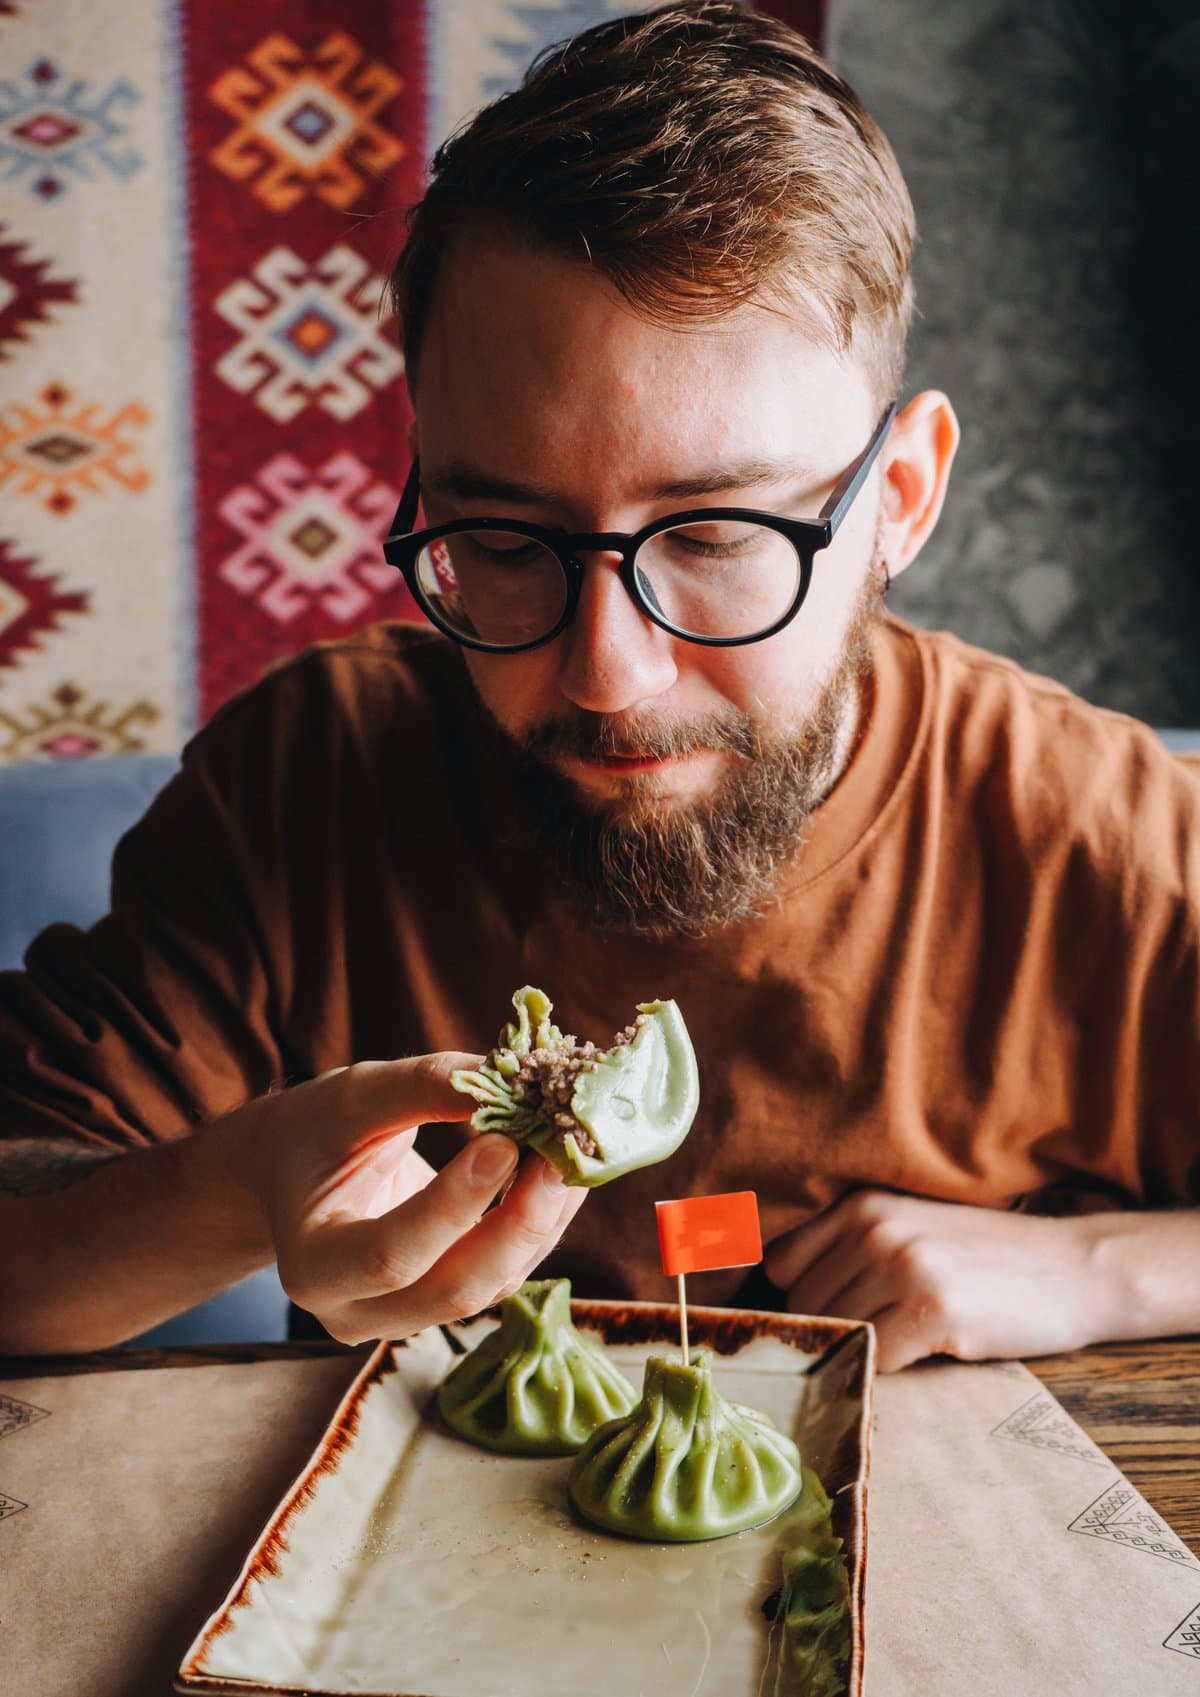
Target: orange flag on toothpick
{"x": 701, "y": 1233}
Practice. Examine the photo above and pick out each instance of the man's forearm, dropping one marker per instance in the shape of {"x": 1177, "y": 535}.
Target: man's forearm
{"x": 1148, "y": 1271}
{"x": 96, "y": 1249}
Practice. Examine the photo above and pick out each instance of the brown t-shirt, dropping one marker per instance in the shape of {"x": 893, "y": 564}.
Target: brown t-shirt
{"x": 981, "y": 978}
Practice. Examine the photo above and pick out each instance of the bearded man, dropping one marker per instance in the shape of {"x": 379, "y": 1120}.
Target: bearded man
{"x": 932, "y": 921}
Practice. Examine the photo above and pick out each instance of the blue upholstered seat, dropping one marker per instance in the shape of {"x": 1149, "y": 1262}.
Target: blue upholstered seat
{"x": 59, "y": 821}
{"x": 1182, "y": 742}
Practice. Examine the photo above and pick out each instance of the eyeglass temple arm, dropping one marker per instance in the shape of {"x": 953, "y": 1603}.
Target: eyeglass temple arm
{"x": 406, "y": 513}
{"x": 835, "y": 509}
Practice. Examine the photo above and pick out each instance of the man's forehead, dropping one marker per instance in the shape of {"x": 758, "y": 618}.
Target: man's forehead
{"x": 504, "y": 303}
{"x": 536, "y": 377}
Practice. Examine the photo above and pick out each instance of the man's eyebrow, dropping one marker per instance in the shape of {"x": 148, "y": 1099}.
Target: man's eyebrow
{"x": 465, "y": 482}
{"x": 737, "y": 474}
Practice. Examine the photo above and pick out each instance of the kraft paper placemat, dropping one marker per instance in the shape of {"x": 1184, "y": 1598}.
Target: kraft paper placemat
{"x": 1007, "y": 1554}
{"x": 1005, "y": 1551}
{"x": 129, "y": 1500}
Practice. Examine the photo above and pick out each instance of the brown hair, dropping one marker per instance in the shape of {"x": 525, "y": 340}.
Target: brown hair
{"x": 698, "y": 156}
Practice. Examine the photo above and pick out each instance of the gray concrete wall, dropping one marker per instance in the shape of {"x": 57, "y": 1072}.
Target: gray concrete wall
{"x": 1051, "y": 150}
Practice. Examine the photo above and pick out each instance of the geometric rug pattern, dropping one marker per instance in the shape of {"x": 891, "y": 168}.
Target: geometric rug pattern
{"x": 202, "y": 412}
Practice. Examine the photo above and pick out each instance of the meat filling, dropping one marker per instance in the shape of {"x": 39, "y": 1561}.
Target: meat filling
{"x": 547, "y": 1079}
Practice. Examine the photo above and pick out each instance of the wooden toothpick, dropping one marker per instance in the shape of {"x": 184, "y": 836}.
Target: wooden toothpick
{"x": 683, "y": 1337}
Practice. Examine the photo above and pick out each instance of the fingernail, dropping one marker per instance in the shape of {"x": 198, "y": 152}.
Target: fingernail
{"x": 493, "y": 1160}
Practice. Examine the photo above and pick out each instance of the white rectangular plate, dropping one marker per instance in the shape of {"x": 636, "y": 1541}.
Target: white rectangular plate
{"x": 405, "y": 1563}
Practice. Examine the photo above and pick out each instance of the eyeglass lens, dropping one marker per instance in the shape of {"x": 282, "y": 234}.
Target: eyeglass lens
{"x": 722, "y": 578}
{"x": 492, "y": 586}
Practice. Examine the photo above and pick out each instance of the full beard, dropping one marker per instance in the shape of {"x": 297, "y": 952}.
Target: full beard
{"x": 641, "y": 866}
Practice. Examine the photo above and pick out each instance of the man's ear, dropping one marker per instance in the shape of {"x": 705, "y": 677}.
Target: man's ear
{"x": 916, "y": 470}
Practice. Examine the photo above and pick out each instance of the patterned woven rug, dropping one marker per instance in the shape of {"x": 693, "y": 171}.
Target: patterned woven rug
{"x": 202, "y": 414}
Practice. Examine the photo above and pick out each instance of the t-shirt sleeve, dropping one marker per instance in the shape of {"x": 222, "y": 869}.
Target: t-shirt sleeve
{"x": 1170, "y": 1010}
{"x": 1135, "y": 938}
{"x": 160, "y": 1017}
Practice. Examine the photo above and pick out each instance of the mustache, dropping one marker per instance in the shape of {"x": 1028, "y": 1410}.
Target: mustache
{"x": 597, "y": 736}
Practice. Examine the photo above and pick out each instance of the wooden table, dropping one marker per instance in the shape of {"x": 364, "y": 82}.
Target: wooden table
{"x": 1139, "y": 1401}
{"x": 1141, "y": 1404}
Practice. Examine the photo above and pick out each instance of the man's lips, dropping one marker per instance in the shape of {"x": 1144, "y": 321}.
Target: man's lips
{"x": 629, "y": 763}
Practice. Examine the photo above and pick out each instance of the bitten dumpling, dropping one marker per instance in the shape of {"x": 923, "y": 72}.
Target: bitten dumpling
{"x": 592, "y": 1113}
{"x": 534, "y": 1386}
{"x": 685, "y": 1464}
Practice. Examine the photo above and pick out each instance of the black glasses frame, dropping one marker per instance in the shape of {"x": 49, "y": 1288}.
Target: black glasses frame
{"x": 807, "y": 537}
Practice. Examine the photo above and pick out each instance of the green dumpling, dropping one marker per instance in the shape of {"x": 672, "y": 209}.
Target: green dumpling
{"x": 534, "y": 1386}
{"x": 594, "y": 1114}
{"x": 686, "y": 1464}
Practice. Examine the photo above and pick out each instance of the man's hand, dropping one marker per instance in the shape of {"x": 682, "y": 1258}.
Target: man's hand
{"x": 367, "y": 1236}
{"x": 322, "y": 1177}
{"x": 944, "y": 1278}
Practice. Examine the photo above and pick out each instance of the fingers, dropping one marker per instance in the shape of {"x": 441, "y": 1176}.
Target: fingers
{"x": 859, "y": 1227}
{"x": 910, "y": 1324}
{"x": 820, "y": 1285}
{"x": 349, "y": 1259}
{"x": 514, "y": 1237}
{"x": 790, "y": 1256}
{"x": 367, "y": 1237}
{"x": 899, "y": 1338}
{"x": 314, "y": 1149}
{"x": 900, "y": 1335}
{"x": 380, "y": 1098}
{"x": 487, "y": 1262}
{"x": 859, "y": 1294}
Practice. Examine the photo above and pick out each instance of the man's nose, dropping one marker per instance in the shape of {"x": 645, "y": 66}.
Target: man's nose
{"x": 613, "y": 656}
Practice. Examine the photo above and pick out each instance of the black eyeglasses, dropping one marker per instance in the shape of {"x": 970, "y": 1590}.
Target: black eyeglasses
{"x": 721, "y": 576}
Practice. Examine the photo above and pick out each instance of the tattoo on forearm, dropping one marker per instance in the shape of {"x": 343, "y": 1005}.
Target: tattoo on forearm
{"x": 35, "y": 1166}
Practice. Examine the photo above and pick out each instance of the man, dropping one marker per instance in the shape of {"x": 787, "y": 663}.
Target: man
{"x": 932, "y": 922}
